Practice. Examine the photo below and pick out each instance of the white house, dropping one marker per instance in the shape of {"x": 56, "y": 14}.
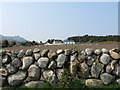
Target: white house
{"x": 48, "y": 44}
{"x": 69, "y": 42}
{"x": 57, "y": 42}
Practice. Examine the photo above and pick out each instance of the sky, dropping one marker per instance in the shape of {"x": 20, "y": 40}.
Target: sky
{"x": 41, "y": 21}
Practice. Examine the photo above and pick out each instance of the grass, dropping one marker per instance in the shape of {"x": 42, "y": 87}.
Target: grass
{"x": 68, "y": 81}
{"x": 106, "y": 87}
{"x": 75, "y": 85}
{"x": 102, "y": 42}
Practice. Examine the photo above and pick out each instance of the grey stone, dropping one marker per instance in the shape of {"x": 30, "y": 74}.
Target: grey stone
{"x": 105, "y": 59}
{"x": 52, "y": 65}
{"x": 6, "y": 59}
{"x": 106, "y": 78}
{"x": 44, "y": 53}
{"x": 84, "y": 70}
{"x": 110, "y": 67}
{"x": 97, "y": 51}
{"x": 114, "y": 55}
{"x": 11, "y": 69}
{"x": 2, "y": 52}
{"x": 29, "y": 52}
{"x": 1, "y": 64}
{"x": 3, "y": 71}
{"x": 21, "y": 54}
{"x": 52, "y": 54}
{"x": 3, "y": 81}
{"x": 16, "y": 63}
{"x": 36, "y": 50}
{"x": 60, "y": 60}
{"x": 26, "y": 62}
{"x": 116, "y": 50}
{"x": 14, "y": 53}
{"x": 9, "y": 54}
{"x": 59, "y": 73}
{"x": 72, "y": 57}
{"x": 68, "y": 52}
{"x": 96, "y": 69}
{"x": 8, "y": 51}
{"x": 74, "y": 51}
{"x": 74, "y": 67}
{"x": 89, "y": 51}
{"x": 82, "y": 56}
{"x": 17, "y": 78}
{"x": 117, "y": 70}
{"x": 90, "y": 59}
{"x": 37, "y": 56}
{"x": 34, "y": 72}
{"x": 42, "y": 62}
{"x": 104, "y": 50}
{"x": 50, "y": 77}
{"x": 93, "y": 82}
{"x": 118, "y": 81}
{"x": 60, "y": 51}
{"x": 34, "y": 84}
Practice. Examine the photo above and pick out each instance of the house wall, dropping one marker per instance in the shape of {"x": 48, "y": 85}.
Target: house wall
{"x": 69, "y": 42}
{"x": 57, "y": 42}
{"x": 34, "y": 67}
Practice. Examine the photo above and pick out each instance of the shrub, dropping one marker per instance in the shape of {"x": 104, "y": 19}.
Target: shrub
{"x": 45, "y": 85}
{"x": 70, "y": 81}
{"x": 4, "y": 43}
{"x": 12, "y": 43}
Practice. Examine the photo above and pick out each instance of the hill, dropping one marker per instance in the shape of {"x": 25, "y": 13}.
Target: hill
{"x": 87, "y": 38}
{"x": 12, "y": 38}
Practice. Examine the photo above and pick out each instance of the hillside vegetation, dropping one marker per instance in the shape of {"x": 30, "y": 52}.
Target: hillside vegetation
{"x": 87, "y": 38}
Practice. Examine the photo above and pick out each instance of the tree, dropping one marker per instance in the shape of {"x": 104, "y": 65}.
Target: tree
{"x": 50, "y": 41}
{"x": 12, "y": 43}
{"x": 29, "y": 43}
{"x": 87, "y": 38}
{"x": 40, "y": 41}
{"x": 5, "y": 43}
{"x": 34, "y": 43}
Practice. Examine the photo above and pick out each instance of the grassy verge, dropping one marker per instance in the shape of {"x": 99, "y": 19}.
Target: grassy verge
{"x": 107, "y": 87}
{"x": 68, "y": 81}
{"x": 75, "y": 85}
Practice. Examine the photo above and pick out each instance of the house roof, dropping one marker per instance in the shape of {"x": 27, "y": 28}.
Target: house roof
{"x": 58, "y": 40}
{"x": 68, "y": 41}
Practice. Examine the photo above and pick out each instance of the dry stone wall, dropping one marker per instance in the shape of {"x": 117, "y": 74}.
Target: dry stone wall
{"x": 33, "y": 68}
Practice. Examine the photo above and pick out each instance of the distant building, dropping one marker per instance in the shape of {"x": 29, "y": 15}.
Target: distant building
{"x": 69, "y": 42}
{"x": 48, "y": 44}
{"x": 57, "y": 42}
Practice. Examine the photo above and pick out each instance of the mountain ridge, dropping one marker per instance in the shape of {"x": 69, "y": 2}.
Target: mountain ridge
{"x": 12, "y": 38}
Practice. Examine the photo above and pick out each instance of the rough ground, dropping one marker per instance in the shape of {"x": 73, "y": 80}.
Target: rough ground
{"x": 56, "y": 47}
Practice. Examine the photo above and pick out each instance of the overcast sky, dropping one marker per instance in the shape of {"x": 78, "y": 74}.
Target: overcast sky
{"x": 41, "y": 21}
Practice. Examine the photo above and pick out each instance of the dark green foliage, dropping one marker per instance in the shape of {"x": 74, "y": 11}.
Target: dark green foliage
{"x": 70, "y": 81}
{"x": 73, "y": 86}
{"x": 50, "y": 41}
{"x": 45, "y": 85}
{"x": 16, "y": 88}
{"x": 87, "y": 38}
{"x": 5, "y": 43}
{"x": 12, "y": 43}
{"x": 29, "y": 43}
{"x": 106, "y": 87}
